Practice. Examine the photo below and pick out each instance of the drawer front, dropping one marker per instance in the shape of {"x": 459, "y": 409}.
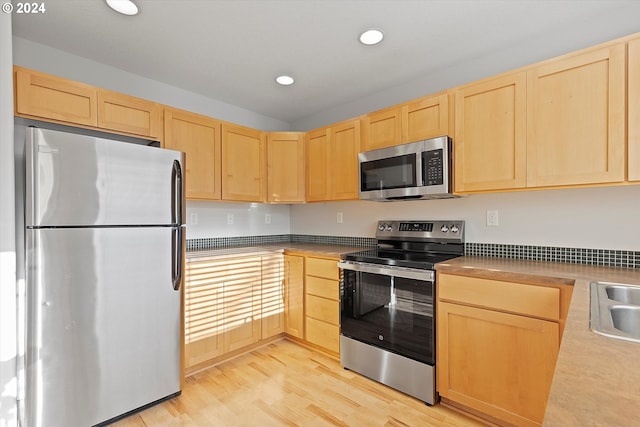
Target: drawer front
{"x": 529, "y": 300}
{"x": 323, "y": 334}
{"x": 323, "y": 309}
{"x": 327, "y": 268}
{"x": 323, "y": 287}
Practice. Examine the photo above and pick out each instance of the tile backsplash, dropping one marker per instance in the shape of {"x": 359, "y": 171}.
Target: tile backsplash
{"x": 602, "y": 257}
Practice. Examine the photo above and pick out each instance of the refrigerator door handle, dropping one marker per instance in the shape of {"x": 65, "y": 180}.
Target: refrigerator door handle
{"x": 176, "y": 193}
{"x": 176, "y": 257}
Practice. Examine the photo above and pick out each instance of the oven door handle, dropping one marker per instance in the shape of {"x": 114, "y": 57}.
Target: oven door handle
{"x": 407, "y": 273}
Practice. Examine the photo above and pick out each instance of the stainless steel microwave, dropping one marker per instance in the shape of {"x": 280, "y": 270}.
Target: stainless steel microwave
{"x": 417, "y": 170}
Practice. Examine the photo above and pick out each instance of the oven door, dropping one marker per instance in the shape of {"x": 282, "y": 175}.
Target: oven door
{"x": 389, "y": 308}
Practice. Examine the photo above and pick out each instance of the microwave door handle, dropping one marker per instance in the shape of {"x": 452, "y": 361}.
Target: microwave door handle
{"x": 419, "y": 170}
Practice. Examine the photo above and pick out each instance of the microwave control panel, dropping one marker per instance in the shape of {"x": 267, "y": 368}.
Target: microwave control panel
{"x": 433, "y": 167}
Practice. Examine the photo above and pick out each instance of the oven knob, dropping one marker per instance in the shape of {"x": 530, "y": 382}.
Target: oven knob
{"x": 444, "y": 228}
{"x": 381, "y": 227}
{"x": 454, "y": 229}
{"x": 388, "y": 227}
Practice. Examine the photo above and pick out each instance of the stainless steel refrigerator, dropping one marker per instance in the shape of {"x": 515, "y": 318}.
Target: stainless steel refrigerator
{"x": 104, "y": 247}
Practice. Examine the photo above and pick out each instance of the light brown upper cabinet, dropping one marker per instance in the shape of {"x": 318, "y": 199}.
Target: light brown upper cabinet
{"x": 332, "y": 162}
{"x": 423, "y": 118}
{"x": 344, "y": 142}
{"x": 382, "y": 128}
{"x": 576, "y": 119}
{"x": 490, "y": 134}
{"x": 317, "y": 165}
{"x": 125, "y": 113}
{"x": 43, "y": 96}
{"x": 49, "y": 97}
{"x": 426, "y": 117}
{"x": 243, "y": 164}
{"x": 634, "y": 110}
{"x": 199, "y": 137}
{"x": 285, "y": 167}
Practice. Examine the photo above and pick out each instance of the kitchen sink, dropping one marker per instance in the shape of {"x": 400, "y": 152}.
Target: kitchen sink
{"x": 615, "y": 310}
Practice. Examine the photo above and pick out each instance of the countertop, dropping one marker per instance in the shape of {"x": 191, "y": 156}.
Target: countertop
{"x": 597, "y": 379}
{"x": 307, "y": 249}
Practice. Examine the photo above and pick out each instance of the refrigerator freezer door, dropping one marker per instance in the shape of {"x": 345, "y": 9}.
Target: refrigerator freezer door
{"x": 104, "y": 330}
{"x": 79, "y": 180}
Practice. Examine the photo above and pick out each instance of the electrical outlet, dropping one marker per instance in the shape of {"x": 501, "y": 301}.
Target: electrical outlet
{"x": 492, "y": 218}
{"x": 267, "y": 218}
{"x": 229, "y": 219}
{"x": 339, "y": 218}
{"x": 193, "y": 218}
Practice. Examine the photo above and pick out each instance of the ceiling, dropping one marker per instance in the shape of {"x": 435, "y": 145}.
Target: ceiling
{"x": 231, "y": 50}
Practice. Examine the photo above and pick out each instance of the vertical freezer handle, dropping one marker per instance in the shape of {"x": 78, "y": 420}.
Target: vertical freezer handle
{"x": 176, "y": 193}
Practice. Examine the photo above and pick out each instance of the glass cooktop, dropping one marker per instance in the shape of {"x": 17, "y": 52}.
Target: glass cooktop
{"x": 409, "y": 259}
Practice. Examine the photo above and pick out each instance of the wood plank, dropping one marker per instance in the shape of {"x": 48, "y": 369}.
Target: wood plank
{"x": 294, "y": 386}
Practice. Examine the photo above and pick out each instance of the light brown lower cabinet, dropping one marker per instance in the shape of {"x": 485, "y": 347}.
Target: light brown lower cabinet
{"x": 231, "y": 303}
{"x": 497, "y": 343}
{"x": 294, "y": 295}
{"x": 322, "y": 303}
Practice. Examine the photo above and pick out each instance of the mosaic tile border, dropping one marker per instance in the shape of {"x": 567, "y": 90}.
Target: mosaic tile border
{"x": 600, "y": 257}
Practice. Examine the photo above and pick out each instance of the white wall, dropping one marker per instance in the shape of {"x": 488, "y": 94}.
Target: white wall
{"x": 53, "y": 61}
{"x": 210, "y": 219}
{"x": 8, "y": 350}
{"x": 598, "y": 218}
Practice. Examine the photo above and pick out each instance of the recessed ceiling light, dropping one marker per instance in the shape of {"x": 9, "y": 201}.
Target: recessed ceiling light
{"x": 285, "y": 80}
{"x": 126, "y": 7}
{"x": 371, "y": 37}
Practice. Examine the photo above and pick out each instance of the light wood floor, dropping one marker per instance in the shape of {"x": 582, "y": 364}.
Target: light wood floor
{"x": 285, "y": 384}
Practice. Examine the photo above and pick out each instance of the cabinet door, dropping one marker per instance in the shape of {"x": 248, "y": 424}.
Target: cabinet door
{"x": 382, "y": 129}
{"x": 576, "y": 119}
{"x": 273, "y": 295}
{"x": 499, "y": 364}
{"x": 285, "y": 167}
{"x": 125, "y": 113}
{"x": 204, "y": 315}
{"x": 317, "y": 165}
{"x": 243, "y": 164}
{"x": 490, "y": 135}
{"x": 633, "y": 118}
{"x": 344, "y": 148}
{"x": 425, "y": 118}
{"x": 199, "y": 137}
{"x": 242, "y": 302}
{"x": 50, "y": 97}
{"x": 294, "y": 295}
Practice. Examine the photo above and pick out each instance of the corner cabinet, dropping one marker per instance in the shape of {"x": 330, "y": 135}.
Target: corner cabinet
{"x": 576, "y": 119}
{"x": 498, "y": 342}
{"x": 331, "y": 158}
{"x": 199, "y": 137}
{"x": 51, "y": 98}
{"x": 633, "y": 113}
{"x": 285, "y": 167}
{"x": 243, "y": 164}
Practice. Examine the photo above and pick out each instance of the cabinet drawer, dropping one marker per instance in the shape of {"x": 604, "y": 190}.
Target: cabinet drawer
{"x": 323, "y": 309}
{"x": 327, "y": 268}
{"x": 323, "y": 288}
{"x": 323, "y": 334}
{"x": 529, "y": 300}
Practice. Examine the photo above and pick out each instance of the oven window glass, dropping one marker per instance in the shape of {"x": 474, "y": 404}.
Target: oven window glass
{"x": 392, "y": 172}
{"x": 392, "y": 313}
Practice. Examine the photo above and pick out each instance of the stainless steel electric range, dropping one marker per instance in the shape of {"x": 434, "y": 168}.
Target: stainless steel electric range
{"x": 387, "y": 314}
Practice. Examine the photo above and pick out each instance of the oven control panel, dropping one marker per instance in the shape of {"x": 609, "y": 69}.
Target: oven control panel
{"x": 448, "y": 230}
